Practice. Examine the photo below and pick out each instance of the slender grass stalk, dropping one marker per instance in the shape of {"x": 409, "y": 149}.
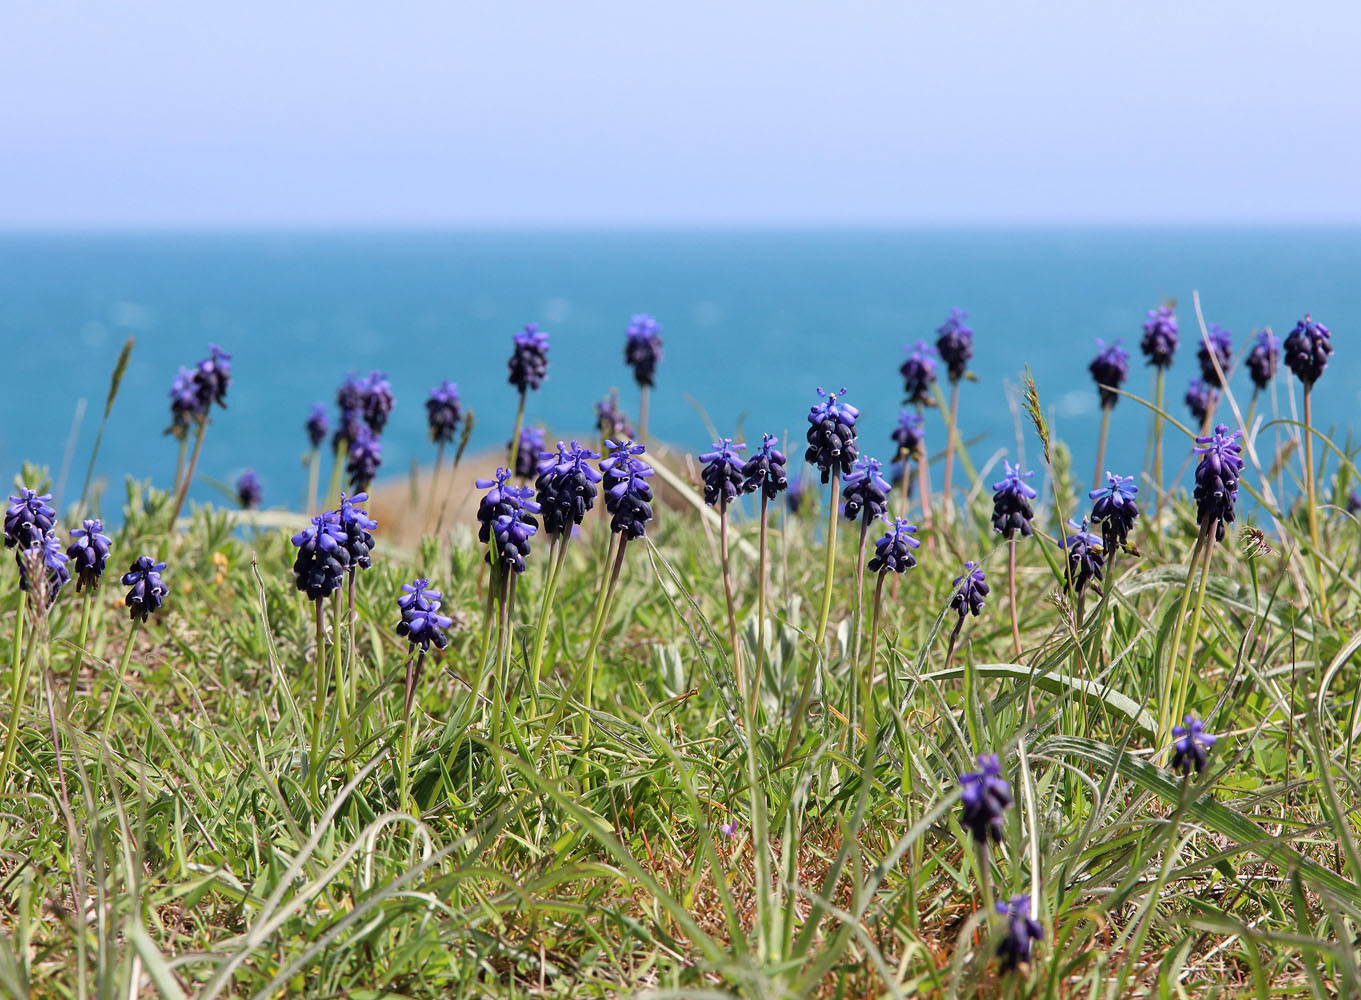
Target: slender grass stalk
{"x": 414, "y": 663}
{"x": 515, "y": 434}
{"x": 642, "y": 414}
{"x": 860, "y": 587}
{"x": 1160, "y": 379}
{"x": 954, "y": 638}
{"x": 1312, "y": 499}
{"x": 180, "y": 453}
{"x": 742, "y": 691}
{"x": 1169, "y": 670}
{"x": 342, "y": 685}
{"x": 80, "y": 651}
{"x": 1011, "y": 595}
{"x": 118, "y": 682}
{"x": 550, "y": 592}
{"x": 318, "y": 698}
{"x": 337, "y": 466}
{"x": 19, "y": 667}
{"x": 1185, "y": 684}
{"x": 499, "y": 707}
{"x": 434, "y": 487}
{"x": 950, "y": 447}
{"x": 760, "y": 609}
{"x": 1101, "y": 446}
{"x": 597, "y": 628}
{"x": 183, "y": 491}
{"x": 115, "y": 380}
{"x": 469, "y": 419}
{"x": 313, "y": 478}
{"x": 831, "y": 560}
{"x": 874, "y": 641}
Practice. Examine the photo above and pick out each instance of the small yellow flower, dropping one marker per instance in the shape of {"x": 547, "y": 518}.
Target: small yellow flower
{"x": 220, "y": 564}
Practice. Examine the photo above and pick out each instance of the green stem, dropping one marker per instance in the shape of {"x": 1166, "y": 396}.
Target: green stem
{"x": 319, "y": 697}
{"x": 728, "y": 597}
{"x": 413, "y": 665}
{"x": 831, "y": 562}
{"x": 342, "y": 687}
{"x": 313, "y": 478}
{"x": 19, "y": 678}
{"x": 597, "y": 629}
{"x": 1312, "y": 500}
{"x": 760, "y": 609}
{"x": 874, "y": 648}
{"x": 1184, "y": 687}
{"x": 80, "y": 651}
{"x": 1161, "y": 379}
{"x": 1011, "y": 594}
{"x": 1165, "y": 701}
{"x": 199, "y": 434}
{"x": 860, "y": 587}
{"x": 118, "y": 681}
{"x": 642, "y": 415}
{"x": 550, "y": 592}
{"x": 515, "y": 434}
{"x": 950, "y": 447}
{"x": 1101, "y": 446}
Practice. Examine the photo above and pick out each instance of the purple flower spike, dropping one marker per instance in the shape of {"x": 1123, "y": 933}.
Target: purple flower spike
{"x": 565, "y": 489}
{"x": 248, "y": 490}
{"x": 765, "y": 471}
{"x": 908, "y": 435}
{"x": 893, "y": 552}
{"x": 356, "y": 525}
{"x": 954, "y": 344}
{"x": 1199, "y": 398}
{"x": 972, "y": 589}
{"x": 722, "y": 472}
{"x": 1023, "y": 930}
{"x": 317, "y": 425}
{"x": 376, "y": 401}
{"x": 44, "y": 556}
{"x": 1353, "y": 502}
{"x": 1115, "y": 509}
{"x": 1217, "y": 475}
{"x": 89, "y": 553}
{"x": 185, "y": 409}
{"x": 443, "y": 411}
{"x": 1110, "y": 368}
{"x": 866, "y": 491}
{"x": 611, "y": 421}
{"x": 1264, "y": 356}
{"x": 1193, "y": 745}
{"x": 146, "y": 592}
{"x": 1160, "y": 336}
{"x": 322, "y": 557}
{"x": 985, "y": 795}
{"x": 366, "y": 455}
{"x": 831, "y": 435}
{"x": 1307, "y": 349}
{"x": 1011, "y": 509}
{"x": 350, "y": 402}
{"x": 919, "y": 374}
{"x": 1221, "y": 342}
{"x": 505, "y": 501}
{"x": 421, "y": 623}
{"x": 528, "y": 452}
{"x": 628, "y": 497}
{"x": 212, "y": 377}
{"x": 795, "y": 496}
{"x": 1086, "y": 556}
{"x": 528, "y": 364}
{"x": 643, "y": 349}
{"x": 512, "y": 535}
{"x": 28, "y": 519}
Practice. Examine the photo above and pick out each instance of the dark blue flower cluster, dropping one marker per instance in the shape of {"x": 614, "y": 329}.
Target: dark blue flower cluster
{"x": 1011, "y": 509}
{"x": 421, "y": 622}
{"x": 908, "y": 435}
{"x": 1115, "y": 509}
{"x": 28, "y": 519}
{"x": 365, "y": 456}
{"x": 1160, "y": 336}
{"x": 89, "y": 552}
{"x": 1110, "y": 369}
{"x": 1263, "y": 358}
{"x": 357, "y": 527}
{"x": 954, "y": 344}
{"x": 985, "y": 796}
{"x": 194, "y": 390}
{"x": 1220, "y": 348}
{"x": 1306, "y": 350}
{"x": 528, "y": 364}
{"x": 45, "y": 557}
{"x": 831, "y": 435}
{"x": 527, "y": 452}
{"x": 643, "y": 349}
{"x": 376, "y": 401}
{"x": 506, "y": 515}
{"x": 1217, "y": 474}
{"x": 1192, "y": 746}
{"x": 322, "y": 558}
{"x": 1023, "y": 930}
{"x": 919, "y": 374}
{"x": 971, "y": 591}
{"x": 1086, "y": 556}
{"x": 317, "y": 426}
{"x": 443, "y": 411}
{"x": 722, "y": 473}
{"x": 565, "y": 489}
{"x": 248, "y": 490}
{"x": 146, "y": 589}
{"x": 893, "y": 551}
{"x": 866, "y": 491}
{"x": 628, "y": 497}
{"x": 611, "y": 420}
{"x": 350, "y": 403}
{"x": 1199, "y": 398}
{"x": 765, "y": 471}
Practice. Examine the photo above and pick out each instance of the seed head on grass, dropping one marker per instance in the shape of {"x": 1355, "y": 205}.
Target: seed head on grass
{"x": 765, "y": 472}
{"x": 831, "y": 435}
{"x": 893, "y": 551}
{"x": 1217, "y": 476}
{"x": 1221, "y": 343}
{"x": 528, "y": 364}
{"x": 1115, "y": 509}
{"x": 443, "y": 411}
{"x": 565, "y": 489}
{"x": 954, "y": 344}
{"x": 970, "y": 597}
{"x": 643, "y": 349}
{"x": 628, "y": 497}
{"x": 248, "y": 491}
{"x": 322, "y": 558}
{"x": 1014, "y": 948}
{"x": 421, "y": 623}
{"x": 366, "y": 455}
{"x": 1011, "y": 509}
{"x": 1085, "y": 554}
{"x": 146, "y": 590}
{"x": 866, "y": 491}
{"x": 317, "y": 425}
{"x": 1159, "y": 343}
{"x": 722, "y": 473}
{"x": 29, "y": 518}
{"x": 1306, "y": 350}
{"x": 44, "y": 558}
{"x": 1264, "y": 356}
{"x": 1199, "y": 398}
{"x": 919, "y": 374}
{"x": 356, "y": 526}
{"x": 89, "y": 552}
{"x": 1110, "y": 369}
{"x": 985, "y": 796}
{"x": 1192, "y": 745}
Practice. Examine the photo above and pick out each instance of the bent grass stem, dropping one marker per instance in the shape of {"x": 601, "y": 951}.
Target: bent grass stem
{"x": 831, "y": 561}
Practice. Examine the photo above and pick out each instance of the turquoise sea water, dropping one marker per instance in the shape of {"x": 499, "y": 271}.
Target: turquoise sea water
{"x": 754, "y": 321}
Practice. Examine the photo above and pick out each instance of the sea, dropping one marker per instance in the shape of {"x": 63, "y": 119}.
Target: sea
{"x": 753, "y": 323}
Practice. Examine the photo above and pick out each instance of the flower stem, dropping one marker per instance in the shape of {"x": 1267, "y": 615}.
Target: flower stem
{"x": 413, "y": 669}
{"x": 728, "y": 597}
{"x": 313, "y": 475}
{"x": 19, "y": 678}
{"x": 874, "y": 647}
{"x": 342, "y": 446}
{"x": 1160, "y": 379}
{"x": 950, "y": 446}
{"x": 1011, "y": 593}
{"x": 515, "y": 434}
{"x": 642, "y": 414}
{"x": 1101, "y": 447}
{"x": 1164, "y": 702}
{"x": 1185, "y": 684}
{"x": 601, "y": 609}
{"x": 118, "y": 680}
{"x": 434, "y": 487}
{"x": 1312, "y": 500}
{"x": 860, "y": 587}
{"x": 80, "y": 652}
{"x": 550, "y": 592}
{"x": 342, "y": 685}
{"x": 924, "y": 488}
{"x": 760, "y": 609}
{"x": 183, "y": 491}
{"x": 319, "y": 696}
{"x": 831, "y": 561}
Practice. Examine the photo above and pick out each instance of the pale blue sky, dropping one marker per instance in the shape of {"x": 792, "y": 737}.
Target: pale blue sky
{"x": 268, "y": 112}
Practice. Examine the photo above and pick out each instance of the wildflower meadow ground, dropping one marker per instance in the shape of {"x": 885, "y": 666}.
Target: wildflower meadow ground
{"x": 852, "y": 712}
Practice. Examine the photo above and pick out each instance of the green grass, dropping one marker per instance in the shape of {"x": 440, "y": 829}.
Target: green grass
{"x": 191, "y": 854}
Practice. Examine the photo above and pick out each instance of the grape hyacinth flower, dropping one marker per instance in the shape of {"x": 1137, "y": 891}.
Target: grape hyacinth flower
{"x": 89, "y": 553}
{"x": 212, "y": 378}
{"x": 421, "y": 622}
{"x": 919, "y": 374}
{"x": 1220, "y": 348}
{"x": 502, "y": 499}
{"x": 1023, "y": 930}
{"x": 1115, "y": 509}
{"x": 29, "y": 518}
{"x": 866, "y": 491}
{"x": 248, "y": 490}
{"x": 1086, "y": 560}
{"x": 512, "y": 534}
{"x": 832, "y": 435}
{"x": 985, "y": 795}
{"x": 317, "y": 425}
{"x": 505, "y": 515}
{"x": 366, "y": 455}
{"x": 350, "y": 403}
{"x": 970, "y": 597}
{"x": 1263, "y": 358}
{"x": 45, "y": 558}
{"x": 528, "y": 364}
{"x": 322, "y": 558}
{"x": 1200, "y": 400}
{"x": 527, "y": 451}
{"x": 765, "y": 472}
{"x": 910, "y": 437}
{"x": 643, "y": 349}
{"x": 628, "y": 497}
{"x": 1011, "y": 509}
{"x": 1159, "y": 343}
{"x": 893, "y": 551}
{"x": 907, "y": 434}
{"x": 443, "y": 410}
{"x": 795, "y": 495}
{"x": 1110, "y": 369}
{"x": 611, "y": 420}
{"x": 1217, "y": 477}
{"x": 1307, "y": 348}
{"x": 184, "y": 404}
{"x": 146, "y": 589}
{"x": 1192, "y": 746}
{"x": 356, "y": 525}
{"x": 723, "y": 483}
{"x": 376, "y": 401}
{"x": 954, "y": 344}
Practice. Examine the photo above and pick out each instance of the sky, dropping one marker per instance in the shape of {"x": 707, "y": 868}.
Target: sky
{"x": 163, "y": 114}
